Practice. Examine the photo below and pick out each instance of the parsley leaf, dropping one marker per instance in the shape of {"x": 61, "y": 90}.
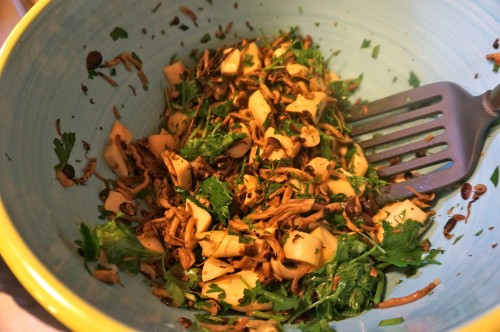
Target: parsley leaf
{"x": 366, "y": 43}
{"x": 209, "y": 147}
{"x": 118, "y": 33}
{"x": 219, "y": 195}
{"x": 121, "y": 245}
{"x": 413, "y": 81}
{"x": 494, "y": 177}
{"x": 63, "y": 148}
{"x": 401, "y": 244}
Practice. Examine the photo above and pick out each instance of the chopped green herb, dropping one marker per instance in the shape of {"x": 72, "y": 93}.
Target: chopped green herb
{"x": 413, "y": 81}
{"x": 248, "y": 60}
{"x": 183, "y": 27}
{"x": 495, "y": 68}
{"x": 206, "y": 38}
{"x": 366, "y": 43}
{"x": 376, "y": 51}
{"x": 210, "y": 146}
{"x": 494, "y": 177}
{"x": 391, "y": 321}
{"x": 118, "y": 33}
{"x": 219, "y": 195}
{"x": 458, "y": 238}
{"x": 63, "y": 148}
{"x": 479, "y": 233}
{"x": 155, "y": 9}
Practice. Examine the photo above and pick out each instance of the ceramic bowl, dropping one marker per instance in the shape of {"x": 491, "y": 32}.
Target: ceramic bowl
{"x": 42, "y": 78}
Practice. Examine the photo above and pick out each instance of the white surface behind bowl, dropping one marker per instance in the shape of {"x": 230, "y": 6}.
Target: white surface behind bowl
{"x": 43, "y": 67}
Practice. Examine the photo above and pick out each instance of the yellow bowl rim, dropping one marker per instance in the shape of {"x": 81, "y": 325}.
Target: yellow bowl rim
{"x": 71, "y": 310}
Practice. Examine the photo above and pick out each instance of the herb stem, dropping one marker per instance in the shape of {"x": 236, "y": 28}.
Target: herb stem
{"x": 333, "y": 297}
{"x": 265, "y": 315}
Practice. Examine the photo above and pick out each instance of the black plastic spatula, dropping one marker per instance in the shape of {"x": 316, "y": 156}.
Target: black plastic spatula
{"x": 437, "y": 130}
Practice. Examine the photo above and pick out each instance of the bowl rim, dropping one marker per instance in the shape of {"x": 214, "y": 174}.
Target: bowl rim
{"x": 62, "y": 303}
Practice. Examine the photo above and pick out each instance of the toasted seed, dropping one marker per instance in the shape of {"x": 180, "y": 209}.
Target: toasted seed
{"x": 448, "y": 227}
{"x": 94, "y": 60}
{"x": 466, "y": 190}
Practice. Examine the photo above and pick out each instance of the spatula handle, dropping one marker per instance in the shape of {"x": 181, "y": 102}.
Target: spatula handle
{"x": 493, "y": 100}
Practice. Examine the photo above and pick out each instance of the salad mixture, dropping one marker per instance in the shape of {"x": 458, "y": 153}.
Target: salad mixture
{"x": 252, "y": 197}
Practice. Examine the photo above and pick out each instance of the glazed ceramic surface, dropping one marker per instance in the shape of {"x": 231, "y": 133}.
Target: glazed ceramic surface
{"x": 42, "y": 78}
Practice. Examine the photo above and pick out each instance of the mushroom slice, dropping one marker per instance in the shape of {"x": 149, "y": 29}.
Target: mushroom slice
{"x": 177, "y": 123}
{"x": 233, "y": 286}
{"x": 314, "y": 105}
{"x": 179, "y": 169}
{"x": 328, "y": 243}
{"x": 174, "y": 73}
{"x": 310, "y": 136}
{"x": 114, "y": 159}
{"x": 216, "y": 244}
{"x": 231, "y": 63}
{"x": 290, "y": 147}
{"x": 151, "y": 243}
{"x": 159, "y": 143}
{"x": 303, "y": 247}
{"x": 358, "y": 165}
{"x": 240, "y": 148}
{"x": 396, "y": 213}
{"x": 296, "y": 69}
{"x": 121, "y": 131}
{"x": 317, "y": 166}
{"x": 283, "y": 272}
{"x": 203, "y": 218}
{"x": 251, "y": 59}
{"x": 115, "y": 200}
{"x": 259, "y": 107}
{"x": 214, "y": 268}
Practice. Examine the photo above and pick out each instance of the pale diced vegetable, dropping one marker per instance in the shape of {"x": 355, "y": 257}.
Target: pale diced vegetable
{"x": 114, "y": 200}
{"x": 233, "y": 287}
{"x": 119, "y": 130}
{"x": 203, "y": 218}
{"x": 397, "y": 213}
{"x": 159, "y": 143}
{"x": 231, "y": 63}
{"x": 259, "y": 107}
{"x": 174, "y": 73}
{"x": 114, "y": 159}
{"x": 251, "y": 58}
{"x": 315, "y": 105}
{"x": 328, "y": 243}
{"x": 216, "y": 244}
{"x": 310, "y": 136}
{"x": 179, "y": 168}
{"x": 358, "y": 164}
{"x": 151, "y": 243}
{"x": 214, "y": 268}
{"x": 302, "y": 247}
{"x": 240, "y": 148}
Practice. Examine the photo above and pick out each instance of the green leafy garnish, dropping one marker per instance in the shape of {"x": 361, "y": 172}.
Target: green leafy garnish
{"x": 219, "y": 195}
{"x": 248, "y": 60}
{"x": 63, "y": 148}
{"x": 376, "y": 51}
{"x": 391, "y": 321}
{"x": 211, "y": 146}
{"x": 494, "y": 177}
{"x": 121, "y": 245}
{"x": 413, "y": 81}
{"x": 118, "y": 33}
{"x": 366, "y": 43}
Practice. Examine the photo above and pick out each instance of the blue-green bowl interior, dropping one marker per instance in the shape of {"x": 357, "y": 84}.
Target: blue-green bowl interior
{"x": 42, "y": 82}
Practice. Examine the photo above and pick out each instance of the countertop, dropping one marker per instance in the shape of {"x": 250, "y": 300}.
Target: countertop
{"x": 19, "y": 310}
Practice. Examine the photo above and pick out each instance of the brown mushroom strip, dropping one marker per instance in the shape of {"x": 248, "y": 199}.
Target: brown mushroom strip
{"x": 297, "y": 205}
{"x": 333, "y": 207}
{"x": 397, "y": 301}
